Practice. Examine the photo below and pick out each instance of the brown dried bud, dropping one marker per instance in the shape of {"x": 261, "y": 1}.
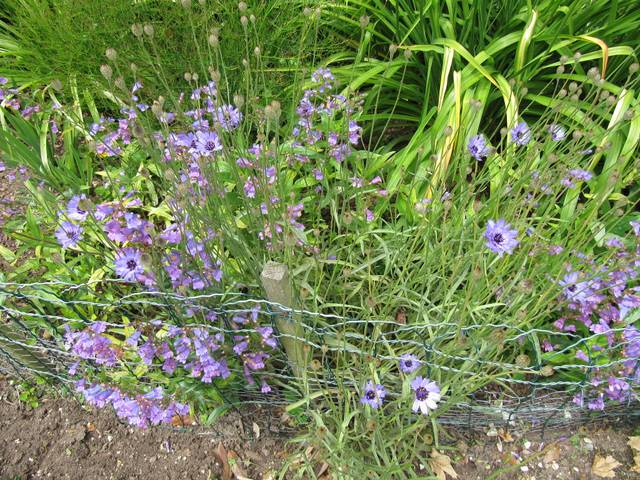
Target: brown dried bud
{"x": 111, "y": 54}
{"x": 120, "y": 83}
{"x": 106, "y": 71}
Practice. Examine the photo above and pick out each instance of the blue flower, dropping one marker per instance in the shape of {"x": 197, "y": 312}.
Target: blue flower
{"x": 478, "y": 148}
{"x": 501, "y": 238}
{"x": 373, "y": 395}
{"x": 520, "y": 134}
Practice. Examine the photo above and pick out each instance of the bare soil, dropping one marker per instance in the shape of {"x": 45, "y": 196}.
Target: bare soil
{"x": 62, "y": 439}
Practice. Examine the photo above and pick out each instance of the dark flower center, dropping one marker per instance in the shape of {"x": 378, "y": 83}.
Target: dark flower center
{"x": 132, "y": 264}
{"x": 572, "y": 288}
{"x": 408, "y": 363}
{"x": 421, "y": 393}
{"x": 370, "y": 395}
{"x": 498, "y": 238}
{"x": 210, "y": 146}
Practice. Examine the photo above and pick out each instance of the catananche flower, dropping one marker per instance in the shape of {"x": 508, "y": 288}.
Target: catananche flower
{"x": 128, "y": 263}
{"x": 228, "y": 117}
{"x": 478, "y": 147}
{"x": 557, "y": 132}
{"x": 69, "y": 234}
{"x": 206, "y": 143}
{"x": 635, "y": 225}
{"x": 373, "y": 395}
{"x": 501, "y": 238}
{"x": 521, "y": 134}
{"x": 409, "y": 363}
{"x": 427, "y": 395}
{"x": 74, "y": 211}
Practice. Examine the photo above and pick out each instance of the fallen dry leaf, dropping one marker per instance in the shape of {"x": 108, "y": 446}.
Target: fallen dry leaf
{"x": 636, "y": 467}
{"x": 505, "y": 436}
{"x": 552, "y": 455}
{"x": 256, "y": 430}
{"x": 604, "y": 466}
{"x": 222, "y": 456}
{"x": 236, "y": 468}
{"x": 634, "y": 443}
{"x": 440, "y": 465}
{"x": 182, "y": 420}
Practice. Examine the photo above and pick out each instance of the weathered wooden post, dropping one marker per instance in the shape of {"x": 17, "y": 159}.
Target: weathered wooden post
{"x": 276, "y": 284}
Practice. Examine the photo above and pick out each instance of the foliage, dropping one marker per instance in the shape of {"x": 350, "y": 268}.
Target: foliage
{"x": 487, "y": 234}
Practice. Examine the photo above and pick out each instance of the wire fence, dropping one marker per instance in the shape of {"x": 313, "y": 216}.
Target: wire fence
{"x": 47, "y": 330}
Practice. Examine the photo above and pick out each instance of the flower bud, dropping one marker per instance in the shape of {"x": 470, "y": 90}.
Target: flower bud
{"x": 634, "y": 67}
{"x": 133, "y": 67}
{"x": 364, "y": 21}
{"x": 392, "y": 50}
{"x": 106, "y": 71}
{"x": 195, "y": 77}
{"x": 187, "y": 76}
{"x": 121, "y": 84}
{"x": 256, "y": 51}
{"x": 307, "y": 12}
{"x": 111, "y": 54}
{"x": 149, "y": 30}
{"x": 215, "y": 74}
{"x": 560, "y": 69}
{"x": 408, "y": 54}
{"x": 242, "y": 6}
{"x": 244, "y": 20}
{"x": 56, "y": 85}
{"x": 238, "y": 100}
{"x": 137, "y": 29}
{"x": 252, "y": 18}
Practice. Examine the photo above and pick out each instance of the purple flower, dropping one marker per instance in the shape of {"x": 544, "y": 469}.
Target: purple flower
{"x": 409, "y": 363}
{"x": 557, "y": 132}
{"x": 501, "y": 238}
{"x": 69, "y": 234}
{"x": 74, "y": 212}
{"x": 635, "y": 225}
{"x": 427, "y": 395}
{"x": 128, "y": 263}
{"x": 228, "y": 117}
{"x": 478, "y": 148}
{"x": 373, "y": 395}
{"x": 520, "y": 134}
{"x": 206, "y": 143}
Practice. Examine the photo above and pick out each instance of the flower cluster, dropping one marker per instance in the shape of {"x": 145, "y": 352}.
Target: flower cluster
{"x": 597, "y": 302}
{"x": 426, "y": 392}
{"x": 152, "y": 408}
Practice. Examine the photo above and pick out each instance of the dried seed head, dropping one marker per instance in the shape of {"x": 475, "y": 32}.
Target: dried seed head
{"x": 503, "y": 132}
{"x": 611, "y": 99}
{"x": 149, "y": 30}
{"x": 575, "y": 97}
{"x": 448, "y": 131}
{"x": 238, "y": 100}
{"x": 106, "y": 71}
{"x": 245, "y": 62}
{"x": 56, "y": 85}
{"x": 562, "y": 93}
{"x": 407, "y": 54}
{"x": 256, "y": 51}
{"x": 573, "y": 86}
{"x": 628, "y": 115}
{"x": 213, "y": 40}
{"x": 134, "y": 68}
{"x": 523, "y": 360}
{"x": 563, "y": 59}
{"x": 156, "y": 108}
{"x": 137, "y": 30}
{"x": 634, "y": 67}
{"x": 364, "y": 21}
{"x": 244, "y": 20}
{"x": 120, "y": 83}
{"x": 577, "y": 134}
{"x": 187, "y": 76}
{"x": 592, "y": 72}
{"x": 111, "y": 54}
{"x": 307, "y": 12}
{"x": 524, "y": 91}
{"x": 252, "y": 18}
{"x": 242, "y": 6}
{"x": 577, "y": 56}
{"x": 185, "y": 3}
{"x": 137, "y": 131}
{"x": 393, "y": 48}
{"x": 215, "y": 75}
{"x": 560, "y": 69}
{"x": 195, "y": 77}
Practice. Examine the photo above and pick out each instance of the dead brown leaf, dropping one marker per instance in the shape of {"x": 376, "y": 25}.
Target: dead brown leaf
{"x": 182, "y": 420}
{"x": 552, "y": 455}
{"x": 636, "y": 467}
{"x": 256, "y": 430}
{"x": 236, "y": 468}
{"x": 604, "y": 466}
{"x": 634, "y": 443}
{"x": 505, "y": 436}
{"x": 222, "y": 456}
{"x": 440, "y": 465}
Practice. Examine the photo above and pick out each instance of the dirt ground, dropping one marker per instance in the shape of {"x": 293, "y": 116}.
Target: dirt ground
{"x": 61, "y": 439}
